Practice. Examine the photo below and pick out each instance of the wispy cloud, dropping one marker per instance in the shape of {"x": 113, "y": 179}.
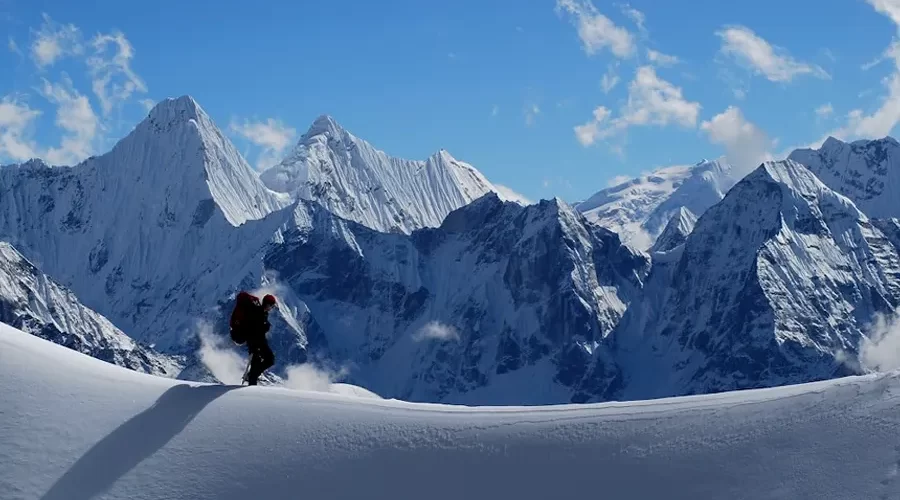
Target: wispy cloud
{"x": 651, "y": 101}
{"x": 619, "y": 179}
{"x": 597, "y": 32}
{"x": 531, "y": 113}
{"x": 610, "y": 79}
{"x": 765, "y": 59}
{"x": 113, "y": 79}
{"x": 635, "y": 15}
{"x": 508, "y": 194}
{"x": 661, "y": 59}
{"x": 273, "y": 136}
{"x": 14, "y": 47}
{"x": 495, "y": 110}
{"x": 53, "y": 41}
{"x": 824, "y": 110}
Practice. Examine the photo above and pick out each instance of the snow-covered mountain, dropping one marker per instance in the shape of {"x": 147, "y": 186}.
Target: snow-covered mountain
{"x": 34, "y": 303}
{"x": 866, "y": 171}
{"x": 776, "y": 284}
{"x": 358, "y": 182}
{"x": 152, "y": 234}
{"x": 75, "y": 428}
{"x": 501, "y": 303}
{"x": 639, "y": 209}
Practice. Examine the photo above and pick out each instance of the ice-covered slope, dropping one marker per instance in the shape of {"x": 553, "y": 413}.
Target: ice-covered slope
{"x": 74, "y": 428}
{"x": 34, "y": 303}
{"x": 152, "y": 233}
{"x": 676, "y": 232}
{"x": 776, "y": 284}
{"x": 360, "y": 183}
{"x": 640, "y": 208}
{"x": 866, "y": 171}
{"x": 501, "y": 303}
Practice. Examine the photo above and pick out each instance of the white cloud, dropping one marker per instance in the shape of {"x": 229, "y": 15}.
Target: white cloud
{"x": 880, "y": 351}
{"x": 890, "y": 8}
{"x": 635, "y": 15}
{"x": 597, "y": 31}
{"x": 651, "y": 101}
{"x": 148, "y": 104}
{"x": 746, "y": 145}
{"x": 76, "y": 117}
{"x": 662, "y": 59}
{"x": 531, "y": 112}
{"x": 610, "y": 79}
{"x": 824, "y": 110}
{"x": 619, "y": 179}
{"x": 765, "y": 59}
{"x": 14, "y": 47}
{"x": 739, "y": 94}
{"x": 113, "y": 79}
{"x": 273, "y": 136}
{"x": 508, "y": 194}
{"x": 54, "y": 41}
{"x": 436, "y": 330}
{"x": 15, "y": 119}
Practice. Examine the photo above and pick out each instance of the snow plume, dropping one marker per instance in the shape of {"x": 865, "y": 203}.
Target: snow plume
{"x": 436, "y": 330}
{"x": 881, "y": 350}
{"x": 216, "y": 355}
{"x": 309, "y": 377}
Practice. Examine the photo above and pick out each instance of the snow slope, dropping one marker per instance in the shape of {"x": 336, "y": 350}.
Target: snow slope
{"x": 776, "y": 284}
{"x": 866, "y": 171}
{"x": 639, "y": 209}
{"x": 34, "y": 303}
{"x": 676, "y": 232}
{"x": 358, "y": 182}
{"x": 75, "y": 428}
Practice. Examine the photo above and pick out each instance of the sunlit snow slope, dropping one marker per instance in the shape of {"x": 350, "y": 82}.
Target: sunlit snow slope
{"x": 73, "y": 427}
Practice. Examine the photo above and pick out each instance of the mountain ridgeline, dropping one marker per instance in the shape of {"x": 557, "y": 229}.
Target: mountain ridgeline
{"x": 418, "y": 280}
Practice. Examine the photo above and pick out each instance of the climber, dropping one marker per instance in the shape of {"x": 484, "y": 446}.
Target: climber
{"x": 250, "y": 323}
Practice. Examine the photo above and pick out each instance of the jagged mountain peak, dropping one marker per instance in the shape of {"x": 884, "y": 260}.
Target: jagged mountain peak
{"x": 184, "y": 107}
{"x": 864, "y": 171}
{"x": 676, "y": 231}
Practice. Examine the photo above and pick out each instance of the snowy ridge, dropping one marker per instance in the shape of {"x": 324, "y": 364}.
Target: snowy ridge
{"x": 867, "y": 172}
{"x": 78, "y": 428}
{"x": 497, "y": 295}
{"x": 34, "y": 303}
{"x": 640, "y": 208}
{"x": 357, "y": 182}
{"x": 775, "y": 285}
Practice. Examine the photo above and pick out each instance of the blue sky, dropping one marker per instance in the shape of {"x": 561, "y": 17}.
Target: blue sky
{"x": 547, "y": 97}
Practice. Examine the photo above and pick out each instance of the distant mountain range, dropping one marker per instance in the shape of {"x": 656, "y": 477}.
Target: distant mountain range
{"x": 419, "y": 281}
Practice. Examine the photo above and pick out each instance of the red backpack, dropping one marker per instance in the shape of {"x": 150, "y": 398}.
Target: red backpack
{"x": 243, "y": 303}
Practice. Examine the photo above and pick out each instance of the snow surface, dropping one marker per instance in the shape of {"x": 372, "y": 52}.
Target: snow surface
{"x": 358, "y": 182}
{"x": 75, "y": 428}
{"x": 640, "y": 208}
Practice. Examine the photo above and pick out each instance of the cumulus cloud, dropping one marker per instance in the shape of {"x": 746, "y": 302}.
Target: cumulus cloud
{"x": 16, "y": 117}
{"x": 54, "y": 41}
{"x": 273, "y": 136}
{"x": 746, "y": 145}
{"x": 436, "y": 330}
{"x": 596, "y": 31}
{"x": 75, "y": 116}
{"x": 651, "y": 101}
{"x": 773, "y": 62}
